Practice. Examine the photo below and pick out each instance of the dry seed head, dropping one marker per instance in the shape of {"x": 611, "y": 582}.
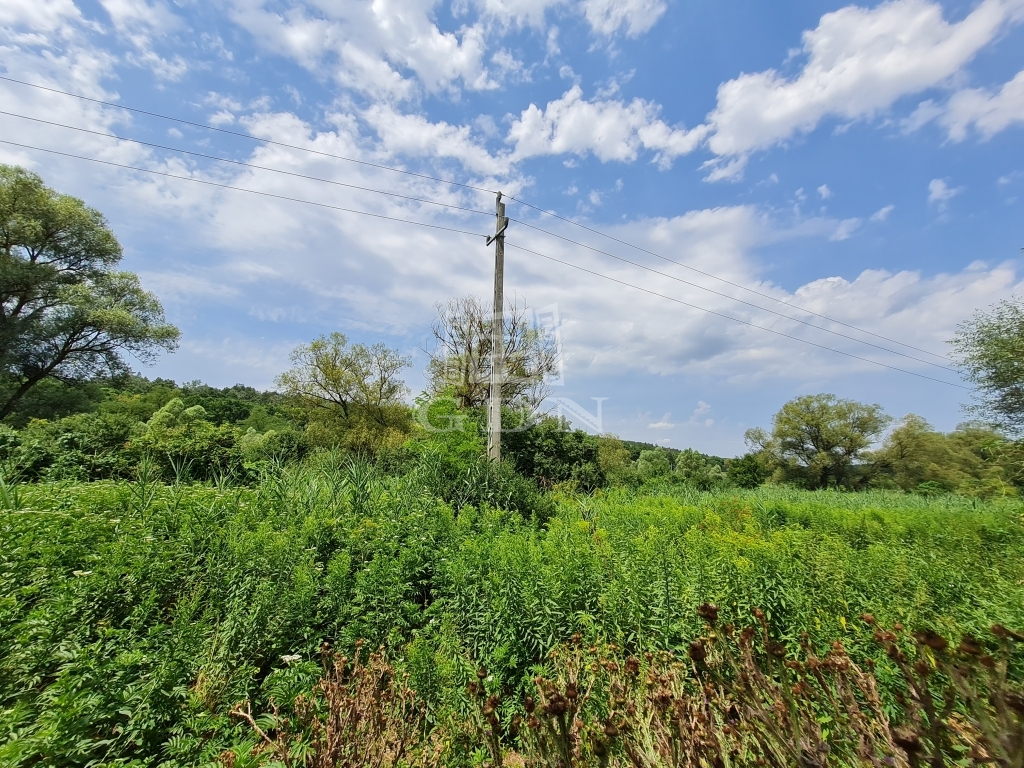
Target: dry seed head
{"x": 697, "y": 651}
{"x": 708, "y": 612}
{"x": 970, "y": 646}
{"x": 907, "y": 740}
{"x": 867, "y": 618}
{"x": 932, "y": 639}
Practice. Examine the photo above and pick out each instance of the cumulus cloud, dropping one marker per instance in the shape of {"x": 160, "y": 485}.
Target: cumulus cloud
{"x": 859, "y": 62}
{"x": 142, "y": 23}
{"x": 636, "y": 16}
{"x": 988, "y": 113}
{"x": 367, "y": 46}
{"x": 609, "y": 129}
{"x": 824, "y": 192}
{"x": 416, "y": 136}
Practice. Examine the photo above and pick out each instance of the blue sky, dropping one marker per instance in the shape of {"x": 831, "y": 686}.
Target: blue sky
{"x": 863, "y": 162}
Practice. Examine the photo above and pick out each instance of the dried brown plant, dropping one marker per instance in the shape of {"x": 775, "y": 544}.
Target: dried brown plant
{"x": 735, "y": 698}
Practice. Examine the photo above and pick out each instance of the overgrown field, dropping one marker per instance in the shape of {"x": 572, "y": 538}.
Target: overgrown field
{"x": 135, "y": 615}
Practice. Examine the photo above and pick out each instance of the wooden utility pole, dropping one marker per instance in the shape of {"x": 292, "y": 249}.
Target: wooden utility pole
{"x": 497, "y": 334}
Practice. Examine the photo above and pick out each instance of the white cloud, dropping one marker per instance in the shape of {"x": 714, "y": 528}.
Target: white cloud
{"x": 989, "y": 113}
{"x": 845, "y": 229}
{"x": 27, "y": 21}
{"x": 940, "y": 192}
{"x": 366, "y": 46}
{"x": 609, "y": 16}
{"x": 883, "y": 213}
{"x": 665, "y": 423}
{"x": 824, "y": 192}
{"x": 415, "y": 135}
{"x": 141, "y": 23}
{"x": 859, "y": 62}
{"x": 610, "y": 129}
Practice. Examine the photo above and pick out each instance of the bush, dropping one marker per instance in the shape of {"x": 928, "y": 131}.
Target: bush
{"x": 552, "y": 453}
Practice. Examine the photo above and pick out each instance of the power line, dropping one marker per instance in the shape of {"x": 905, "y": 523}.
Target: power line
{"x": 478, "y": 189}
{"x": 733, "y": 298}
{"x": 244, "y": 164}
{"x": 241, "y": 135}
{"x": 734, "y": 319}
{"x": 242, "y": 189}
{"x": 476, "y": 234}
{"x": 722, "y": 279}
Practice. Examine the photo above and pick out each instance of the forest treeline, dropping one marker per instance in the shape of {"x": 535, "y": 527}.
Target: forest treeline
{"x": 71, "y": 408}
{"x": 196, "y": 432}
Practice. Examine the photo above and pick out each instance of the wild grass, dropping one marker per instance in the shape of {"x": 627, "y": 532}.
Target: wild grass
{"x": 134, "y": 616}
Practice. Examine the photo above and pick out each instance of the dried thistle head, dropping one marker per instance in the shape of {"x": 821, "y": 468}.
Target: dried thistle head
{"x": 708, "y": 612}
{"x": 932, "y": 639}
{"x": 697, "y": 651}
{"x": 970, "y": 646}
{"x": 907, "y": 739}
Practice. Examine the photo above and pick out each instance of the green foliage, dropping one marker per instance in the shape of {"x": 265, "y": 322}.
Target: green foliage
{"x": 818, "y": 441}
{"x": 749, "y": 470}
{"x": 135, "y": 615}
{"x": 972, "y": 460}
{"x": 695, "y": 470}
{"x": 990, "y": 350}
{"x": 551, "y": 453}
{"x": 616, "y": 461}
{"x": 653, "y": 465}
{"x": 67, "y": 314}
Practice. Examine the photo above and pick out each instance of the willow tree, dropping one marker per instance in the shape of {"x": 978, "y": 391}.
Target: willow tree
{"x": 460, "y": 360}
{"x": 66, "y": 312}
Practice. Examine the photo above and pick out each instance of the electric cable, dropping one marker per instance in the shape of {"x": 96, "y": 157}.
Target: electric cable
{"x": 477, "y": 234}
{"x": 734, "y": 319}
{"x": 733, "y": 298}
{"x": 249, "y": 137}
{"x": 244, "y": 164}
{"x": 241, "y": 135}
{"x": 724, "y": 280}
{"x": 242, "y": 189}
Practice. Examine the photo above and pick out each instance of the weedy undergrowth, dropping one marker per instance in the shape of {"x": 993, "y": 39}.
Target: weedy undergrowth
{"x": 735, "y": 698}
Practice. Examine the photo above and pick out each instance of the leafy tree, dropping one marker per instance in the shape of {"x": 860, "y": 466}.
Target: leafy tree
{"x": 749, "y": 470}
{"x": 65, "y": 313}
{"x": 698, "y": 471}
{"x": 818, "y": 441}
{"x": 990, "y": 350}
{"x": 550, "y": 453}
{"x": 615, "y": 461}
{"x": 330, "y": 372}
{"x": 460, "y": 361}
{"x": 972, "y": 460}
{"x": 653, "y": 465}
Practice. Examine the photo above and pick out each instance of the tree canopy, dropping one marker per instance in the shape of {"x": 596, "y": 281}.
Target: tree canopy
{"x": 65, "y": 312}
{"x": 460, "y": 361}
{"x": 817, "y": 440}
{"x": 990, "y": 350}
{"x": 330, "y": 371}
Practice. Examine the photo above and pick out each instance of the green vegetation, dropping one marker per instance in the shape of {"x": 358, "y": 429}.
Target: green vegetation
{"x": 183, "y": 569}
{"x": 136, "y": 615}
